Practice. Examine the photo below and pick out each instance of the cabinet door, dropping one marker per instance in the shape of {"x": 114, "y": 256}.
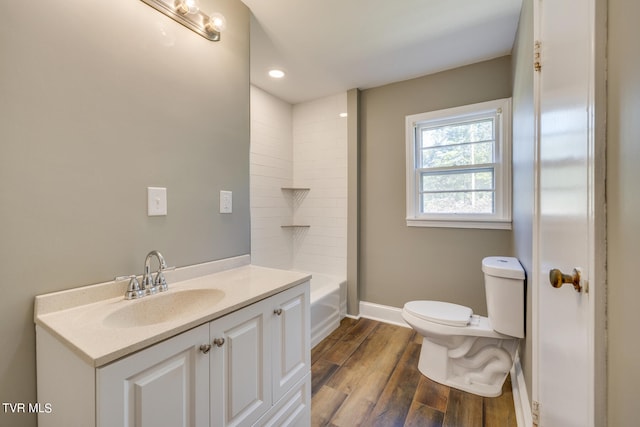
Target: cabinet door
{"x": 291, "y": 342}
{"x": 240, "y": 366}
{"x": 293, "y": 410}
{"x": 163, "y": 385}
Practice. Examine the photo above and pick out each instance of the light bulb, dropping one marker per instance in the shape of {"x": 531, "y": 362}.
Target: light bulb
{"x": 187, "y": 6}
{"x": 192, "y": 5}
{"x": 217, "y": 23}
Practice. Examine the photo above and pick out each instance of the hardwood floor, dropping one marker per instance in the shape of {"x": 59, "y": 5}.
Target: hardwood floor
{"x": 366, "y": 374}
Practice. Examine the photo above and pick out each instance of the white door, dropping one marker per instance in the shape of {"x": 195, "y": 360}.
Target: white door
{"x": 563, "y": 382}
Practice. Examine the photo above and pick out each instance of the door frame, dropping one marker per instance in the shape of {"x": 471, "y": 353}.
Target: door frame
{"x": 597, "y": 211}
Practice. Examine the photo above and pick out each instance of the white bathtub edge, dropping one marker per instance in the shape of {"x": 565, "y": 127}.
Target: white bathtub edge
{"x": 327, "y": 305}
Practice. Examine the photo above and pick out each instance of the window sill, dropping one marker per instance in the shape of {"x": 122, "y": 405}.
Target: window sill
{"x": 485, "y": 224}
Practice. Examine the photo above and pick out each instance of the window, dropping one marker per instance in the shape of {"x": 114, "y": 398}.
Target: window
{"x": 459, "y": 167}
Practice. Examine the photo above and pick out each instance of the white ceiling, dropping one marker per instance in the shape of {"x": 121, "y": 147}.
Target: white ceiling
{"x": 330, "y": 46}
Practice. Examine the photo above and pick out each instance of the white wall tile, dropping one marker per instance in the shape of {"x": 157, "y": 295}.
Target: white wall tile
{"x": 271, "y": 168}
{"x": 306, "y": 146}
{"x": 319, "y": 161}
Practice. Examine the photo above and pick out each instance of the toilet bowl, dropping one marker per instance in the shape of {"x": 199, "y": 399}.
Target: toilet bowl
{"x": 470, "y": 352}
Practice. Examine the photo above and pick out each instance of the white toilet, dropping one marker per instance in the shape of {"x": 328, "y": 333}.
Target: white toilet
{"x": 470, "y": 352}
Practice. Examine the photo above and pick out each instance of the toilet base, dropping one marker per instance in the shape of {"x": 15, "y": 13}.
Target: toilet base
{"x": 478, "y": 365}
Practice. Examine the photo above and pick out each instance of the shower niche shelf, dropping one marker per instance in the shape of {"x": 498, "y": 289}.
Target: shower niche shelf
{"x": 295, "y": 188}
{"x": 297, "y": 195}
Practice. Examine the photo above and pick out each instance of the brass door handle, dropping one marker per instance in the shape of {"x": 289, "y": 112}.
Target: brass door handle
{"x": 219, "y": 342}
{"x": 557, "y": 279}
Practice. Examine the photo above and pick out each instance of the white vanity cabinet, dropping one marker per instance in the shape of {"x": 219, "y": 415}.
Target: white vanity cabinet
{"x": 291, "y": 361}
{"x": 290, "y": 336}
{"x": 262, "y": 352}
{"x": 250, "y": 367}
{"x": 166, "y": 384}
{"x": 240, "y": 369}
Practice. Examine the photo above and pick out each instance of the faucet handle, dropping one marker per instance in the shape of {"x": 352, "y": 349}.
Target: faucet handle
{"x": 160, "y": 282}
{"x": 148, "y": 287}
{"x": 133, "y": 290}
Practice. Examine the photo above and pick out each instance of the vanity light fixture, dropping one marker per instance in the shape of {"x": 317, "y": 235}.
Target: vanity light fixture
{"x": 189, "y": 14}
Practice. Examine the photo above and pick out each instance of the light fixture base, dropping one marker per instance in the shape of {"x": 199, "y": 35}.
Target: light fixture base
{"x": 196, "y": 22}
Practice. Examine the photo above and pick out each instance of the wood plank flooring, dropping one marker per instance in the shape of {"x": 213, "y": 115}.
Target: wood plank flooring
{"x": 366, "y": 374}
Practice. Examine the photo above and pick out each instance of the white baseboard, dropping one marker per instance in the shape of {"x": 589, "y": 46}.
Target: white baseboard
{"x": 521, "y": 404}
{"x": 382, "y": 313}
{"x": 393, "y": 315}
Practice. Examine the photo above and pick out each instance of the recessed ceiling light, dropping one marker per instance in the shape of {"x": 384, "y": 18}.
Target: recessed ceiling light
{"x": 276, "y": 74}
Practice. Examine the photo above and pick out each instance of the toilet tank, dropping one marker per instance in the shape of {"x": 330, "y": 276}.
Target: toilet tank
{"x": 504, "y": 287}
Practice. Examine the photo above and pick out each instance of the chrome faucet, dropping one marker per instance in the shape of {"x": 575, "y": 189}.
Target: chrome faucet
{"x": 134, "y": 291}
{"x": 150, "y": 285}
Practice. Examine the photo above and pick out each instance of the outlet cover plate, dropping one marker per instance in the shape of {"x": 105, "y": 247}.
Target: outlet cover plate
{"x": 226, "y": 201}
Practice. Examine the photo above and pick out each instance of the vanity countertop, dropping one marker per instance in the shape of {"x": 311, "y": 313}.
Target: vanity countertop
{"x": 77, "y": 316}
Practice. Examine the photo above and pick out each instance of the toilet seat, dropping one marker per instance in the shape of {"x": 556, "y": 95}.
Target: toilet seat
{"x": 444, "y": 313}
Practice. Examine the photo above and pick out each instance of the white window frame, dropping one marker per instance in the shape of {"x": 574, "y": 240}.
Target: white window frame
{"x": 501, "y": 217}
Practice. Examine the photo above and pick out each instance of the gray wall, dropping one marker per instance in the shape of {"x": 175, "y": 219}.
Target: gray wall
{"x": 99, "y": 100}
{"x": 400, "y": 263}
{"x": 623, "y": 211}
{"x": 523, "y": 167}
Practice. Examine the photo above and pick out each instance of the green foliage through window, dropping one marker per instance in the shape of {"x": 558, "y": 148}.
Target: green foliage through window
{"x": 443, "y": 147}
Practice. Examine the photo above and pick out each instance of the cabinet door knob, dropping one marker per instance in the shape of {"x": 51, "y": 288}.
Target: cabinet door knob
{"x": 277, "y": 311}
{"x": 218, "y": 342}
{"x": 205, "y": 348}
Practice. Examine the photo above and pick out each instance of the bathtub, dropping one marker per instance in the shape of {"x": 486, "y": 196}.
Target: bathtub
{"x": 328, "y": 305}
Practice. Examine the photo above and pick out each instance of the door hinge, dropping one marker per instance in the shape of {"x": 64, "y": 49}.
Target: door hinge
{"x": 537, "y": 62}
{"x": 535, "y": 413}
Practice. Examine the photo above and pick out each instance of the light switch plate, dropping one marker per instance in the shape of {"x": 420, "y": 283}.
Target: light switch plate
{"x": 156, "y": 201}
{"x": 226, "y": 202}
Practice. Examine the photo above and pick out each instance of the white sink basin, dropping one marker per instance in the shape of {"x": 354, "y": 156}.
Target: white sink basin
{"x": 163, "y": 307}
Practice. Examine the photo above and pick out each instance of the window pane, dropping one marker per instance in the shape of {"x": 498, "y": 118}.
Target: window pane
{"x": 467, "y": 202}
{"x": 455, "y": 169}
{"x": 458, "y": 155}
{"x": 459, "y": 133}
{"x": 458, "y": 180}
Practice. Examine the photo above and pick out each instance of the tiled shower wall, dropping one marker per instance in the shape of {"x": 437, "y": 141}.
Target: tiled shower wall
{"x": 320, "y": 163}
{"x": 271, "y": 168}
{"x": 303, "y": 146}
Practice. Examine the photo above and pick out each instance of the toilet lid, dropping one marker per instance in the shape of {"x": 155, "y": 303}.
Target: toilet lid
{"x": 445, "y": 313}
